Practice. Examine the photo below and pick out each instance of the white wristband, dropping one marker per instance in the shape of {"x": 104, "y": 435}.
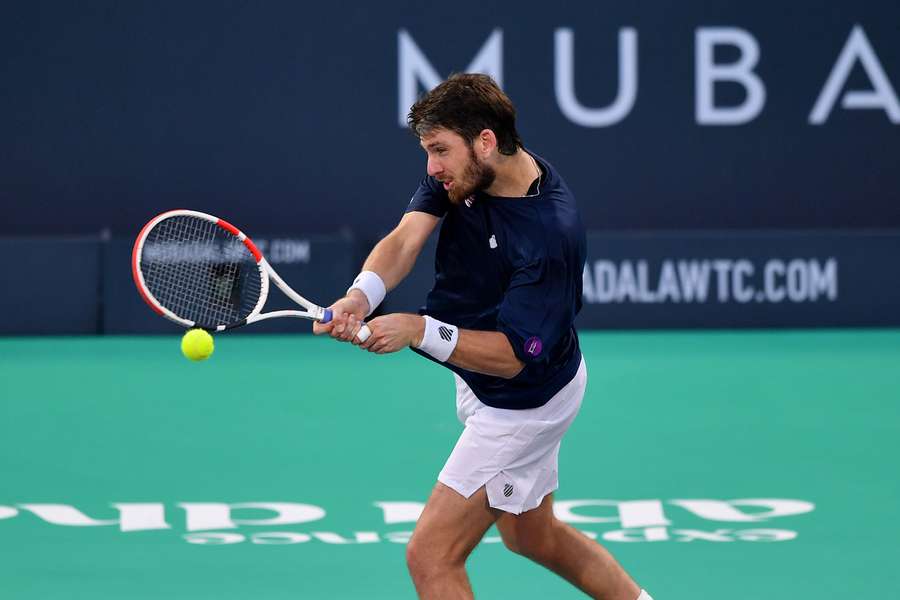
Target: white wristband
{"x": 439, "y": 340}
{"x": 371, "y": 285}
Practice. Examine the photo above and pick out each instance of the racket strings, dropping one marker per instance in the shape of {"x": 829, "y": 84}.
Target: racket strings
{"x": 200, "y": 271}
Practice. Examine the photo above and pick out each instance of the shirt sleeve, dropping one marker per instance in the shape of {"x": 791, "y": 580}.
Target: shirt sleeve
{"x": 538, "y": 309}
{"x": 430, "y": 197}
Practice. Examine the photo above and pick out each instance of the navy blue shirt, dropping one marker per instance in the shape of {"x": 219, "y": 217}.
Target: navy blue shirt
{"x": 512, "y": 265}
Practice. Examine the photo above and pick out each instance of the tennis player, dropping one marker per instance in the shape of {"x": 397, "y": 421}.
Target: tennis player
{"x": 500, "y": 316}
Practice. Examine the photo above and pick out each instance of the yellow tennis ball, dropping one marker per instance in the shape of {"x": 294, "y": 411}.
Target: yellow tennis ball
{"x": 197, "y": 344}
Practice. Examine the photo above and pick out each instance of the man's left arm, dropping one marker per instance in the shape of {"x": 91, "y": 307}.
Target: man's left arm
{"x": 486, "y": 352}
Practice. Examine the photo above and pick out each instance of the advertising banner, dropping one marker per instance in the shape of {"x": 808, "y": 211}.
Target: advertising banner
{"x": 677, "y": 116}
{"x": 724, "y": 279}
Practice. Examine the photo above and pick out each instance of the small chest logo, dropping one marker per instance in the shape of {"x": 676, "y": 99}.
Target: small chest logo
{"x": 446, "y": 333}
{"x": 492, "y": 242}
{"x": 508, "y": 490}
{"x": 533, "y": 346}
{"x": 469, "y": 202}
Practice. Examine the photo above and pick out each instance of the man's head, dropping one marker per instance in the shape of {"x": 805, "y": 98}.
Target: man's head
{"x": 462, "y": 124}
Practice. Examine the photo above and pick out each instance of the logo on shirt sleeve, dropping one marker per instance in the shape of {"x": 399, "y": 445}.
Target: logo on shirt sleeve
{"x": 533, "y": 346}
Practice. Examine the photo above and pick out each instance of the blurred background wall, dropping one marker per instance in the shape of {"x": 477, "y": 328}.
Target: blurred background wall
{"x": 737, "y": 164}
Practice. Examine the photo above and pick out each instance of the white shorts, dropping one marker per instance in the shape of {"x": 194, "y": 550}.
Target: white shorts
{"x": 514, "y": 453}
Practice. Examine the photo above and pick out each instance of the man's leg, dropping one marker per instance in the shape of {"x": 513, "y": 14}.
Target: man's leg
{"x": 448, "y": 530}
{"x": 543, "y": 538}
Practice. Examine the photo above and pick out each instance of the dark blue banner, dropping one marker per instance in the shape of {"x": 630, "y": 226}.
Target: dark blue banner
{"x": 50, "y": 286}
{"x": 636, "y": 280}
{"x": 286, "y": 117}
{"x": 728, "y": 279}
{"x": 724, "y": 279}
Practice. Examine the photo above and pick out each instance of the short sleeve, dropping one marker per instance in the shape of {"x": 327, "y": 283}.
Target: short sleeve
{"x": 538, "y": 309}
{"x": 430, "y": 197}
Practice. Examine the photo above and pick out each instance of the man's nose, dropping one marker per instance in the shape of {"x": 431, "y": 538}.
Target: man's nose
{"x": 434, "y": 167}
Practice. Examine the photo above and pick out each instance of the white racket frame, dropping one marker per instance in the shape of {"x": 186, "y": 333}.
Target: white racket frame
{"x": 312, "y": 311}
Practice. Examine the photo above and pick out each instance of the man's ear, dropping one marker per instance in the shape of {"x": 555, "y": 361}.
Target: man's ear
{"x": 485, "y": 143}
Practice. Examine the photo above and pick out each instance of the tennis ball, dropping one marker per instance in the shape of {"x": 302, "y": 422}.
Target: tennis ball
{"x": 197, "y": 344}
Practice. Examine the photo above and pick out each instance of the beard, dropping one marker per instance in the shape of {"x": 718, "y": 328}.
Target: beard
{"x": 477, "y": 177}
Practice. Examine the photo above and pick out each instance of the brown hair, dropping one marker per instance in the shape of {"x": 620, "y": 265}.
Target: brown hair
{"x": 467, "y": 104}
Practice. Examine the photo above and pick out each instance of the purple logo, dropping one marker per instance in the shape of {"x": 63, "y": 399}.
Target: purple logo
{"x": 533, "y": 346}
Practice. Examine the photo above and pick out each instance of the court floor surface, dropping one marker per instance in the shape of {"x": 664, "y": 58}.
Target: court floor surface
{"x": 740, "y": 465}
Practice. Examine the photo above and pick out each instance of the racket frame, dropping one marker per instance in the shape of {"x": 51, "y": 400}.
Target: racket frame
{"x": 312, "y": 311}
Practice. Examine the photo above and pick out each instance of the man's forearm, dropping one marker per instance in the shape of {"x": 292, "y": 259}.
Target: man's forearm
{"x": 486, "y": 352}
{"x": 392, "y": 259}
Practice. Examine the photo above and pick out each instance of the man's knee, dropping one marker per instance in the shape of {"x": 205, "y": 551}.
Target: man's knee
{"x": 425, "y": 560}
{"x": 417, "y": 559}
{"x": 530, "y": 542}
{"x": 510, "y": 541}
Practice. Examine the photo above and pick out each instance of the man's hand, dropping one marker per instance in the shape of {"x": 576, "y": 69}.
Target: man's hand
{"x": 391, "y": 333}
{"x": 347, "y": 314}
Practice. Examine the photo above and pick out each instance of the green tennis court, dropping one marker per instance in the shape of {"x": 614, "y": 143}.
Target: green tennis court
{"x": 742, "y": 465}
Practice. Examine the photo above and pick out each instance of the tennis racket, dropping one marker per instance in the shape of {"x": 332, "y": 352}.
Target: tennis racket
{"x": 201, "y": 271}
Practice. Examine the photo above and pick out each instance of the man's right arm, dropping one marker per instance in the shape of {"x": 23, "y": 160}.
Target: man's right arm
{"x": 394, "y": 256}
{"x": 392, "y": 259}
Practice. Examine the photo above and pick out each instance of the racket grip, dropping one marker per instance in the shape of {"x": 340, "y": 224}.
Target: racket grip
{"x": 363, "y": 333}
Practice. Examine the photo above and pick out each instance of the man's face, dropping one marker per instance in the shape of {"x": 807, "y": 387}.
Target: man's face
{"x": 454, "y": 163}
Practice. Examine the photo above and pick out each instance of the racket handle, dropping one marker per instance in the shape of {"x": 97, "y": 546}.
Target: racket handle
{"x": 363, "y": 333}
